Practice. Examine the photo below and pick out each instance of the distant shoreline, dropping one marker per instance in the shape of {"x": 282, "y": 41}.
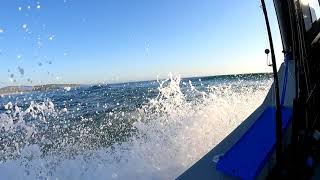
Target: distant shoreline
{"x": 11, "y": 90}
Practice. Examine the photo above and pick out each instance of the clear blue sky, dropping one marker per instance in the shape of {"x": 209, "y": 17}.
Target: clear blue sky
{"x": 91, "y": 41}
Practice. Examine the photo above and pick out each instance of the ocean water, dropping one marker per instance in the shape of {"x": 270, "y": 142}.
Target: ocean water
{"x": 138, "y": 130}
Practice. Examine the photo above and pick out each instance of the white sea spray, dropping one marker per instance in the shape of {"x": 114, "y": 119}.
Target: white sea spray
{"x": 174, "y": 130}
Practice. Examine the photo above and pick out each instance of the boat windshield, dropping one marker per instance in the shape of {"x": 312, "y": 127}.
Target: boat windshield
{"x": 102, "y": 89}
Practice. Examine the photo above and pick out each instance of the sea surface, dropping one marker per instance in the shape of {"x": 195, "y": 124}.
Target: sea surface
{"x": 138, "y": 130}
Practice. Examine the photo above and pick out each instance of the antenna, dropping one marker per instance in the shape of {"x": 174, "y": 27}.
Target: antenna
{"x": 279, "y": 154}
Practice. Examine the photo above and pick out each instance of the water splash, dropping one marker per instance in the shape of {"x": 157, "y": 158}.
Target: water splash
{"x": 165, "y": 136}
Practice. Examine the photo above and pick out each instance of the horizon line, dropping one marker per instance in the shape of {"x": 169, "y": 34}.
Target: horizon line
{"x": 134, "y": 81}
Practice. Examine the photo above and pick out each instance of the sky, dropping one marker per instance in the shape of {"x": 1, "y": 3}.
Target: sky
{"x": 94, "y": 41}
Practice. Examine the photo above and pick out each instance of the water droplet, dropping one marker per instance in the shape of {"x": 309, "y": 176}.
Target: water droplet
{"x": 19, "y": 8}
{"x": 24, "y": 26}
{"x": 21, "y": 70}
{"x": 1, "y": 30}
{"x": 8, "y": 106}
{"x": 146, "y": 47}
{"x": 38, "y": 6}
{"x": 51, "y": 37}
{"x": 67, "y": 88}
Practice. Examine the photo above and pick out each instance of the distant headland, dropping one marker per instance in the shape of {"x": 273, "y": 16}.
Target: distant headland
{"x": 23, "y": 89}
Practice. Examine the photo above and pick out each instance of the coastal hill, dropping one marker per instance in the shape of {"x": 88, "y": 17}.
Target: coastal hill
{"x": 20, "y": 89}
